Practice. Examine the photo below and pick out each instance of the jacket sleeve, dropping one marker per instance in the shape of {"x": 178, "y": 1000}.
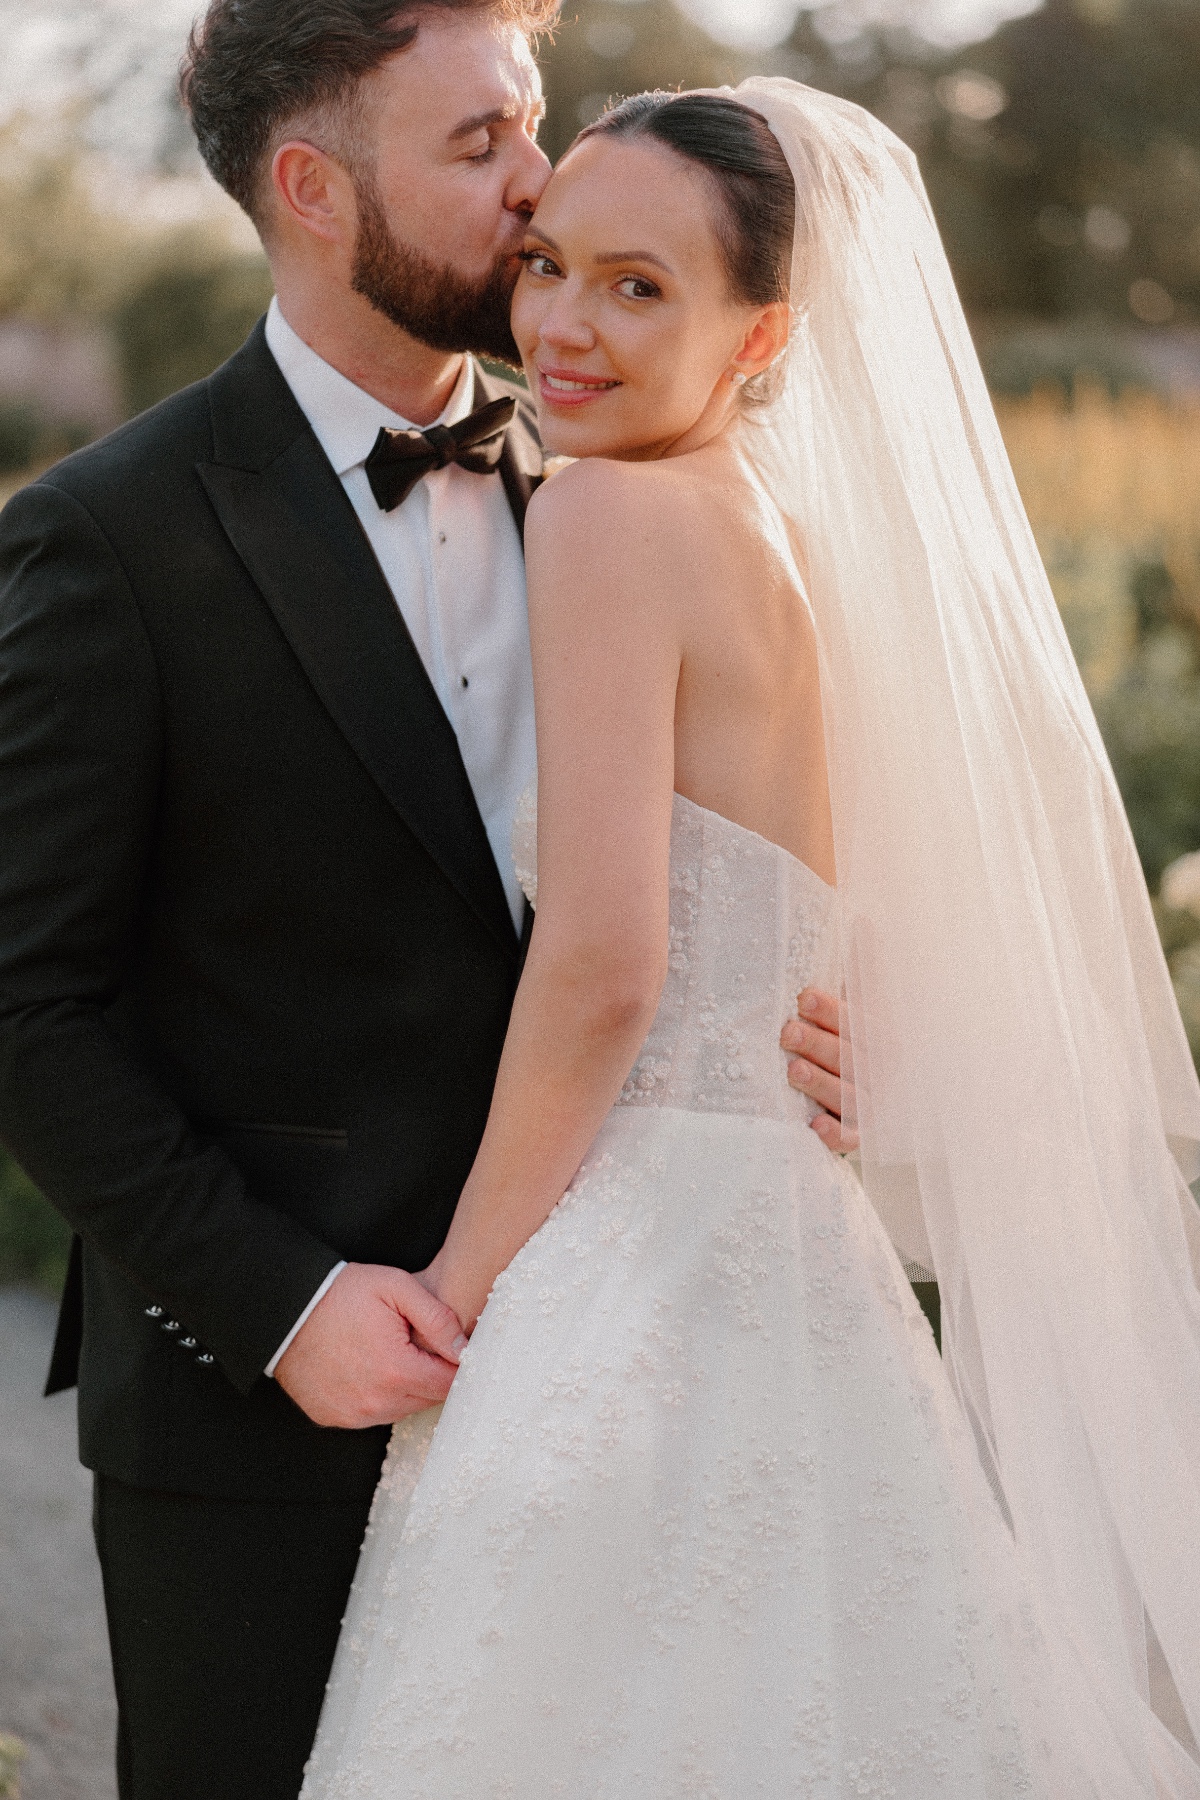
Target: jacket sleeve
{"x": 81, "y": 735}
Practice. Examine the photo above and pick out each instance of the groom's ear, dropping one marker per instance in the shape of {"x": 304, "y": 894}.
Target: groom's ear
{"x": 313, "y": 191}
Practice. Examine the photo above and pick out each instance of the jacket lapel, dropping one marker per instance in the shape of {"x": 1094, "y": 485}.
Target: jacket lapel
{"x": 287, "y": 516}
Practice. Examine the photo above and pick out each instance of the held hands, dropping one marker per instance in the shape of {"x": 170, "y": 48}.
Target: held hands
{"x": 463, "y": 1294}
{"x": 382, "y": 1343}
{"x": 377, "y": 1347}
{"x": 815, "y": 1068}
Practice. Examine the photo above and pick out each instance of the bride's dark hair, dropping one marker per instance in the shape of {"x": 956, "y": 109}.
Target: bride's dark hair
{"x": 755, "y": 212}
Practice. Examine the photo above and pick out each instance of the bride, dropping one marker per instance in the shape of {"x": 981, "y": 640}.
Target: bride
{"x": 705, "y": 1514}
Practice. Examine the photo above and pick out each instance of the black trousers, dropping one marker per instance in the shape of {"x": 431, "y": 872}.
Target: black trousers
{"x": 223, "y": 1617}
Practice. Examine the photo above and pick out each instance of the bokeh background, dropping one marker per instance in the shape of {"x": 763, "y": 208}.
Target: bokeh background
{"x": 1061, "y": 146}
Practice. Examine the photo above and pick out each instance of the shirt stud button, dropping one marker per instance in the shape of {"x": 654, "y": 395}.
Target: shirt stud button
{"x": 465, "y": 682}
{"x": 441, "y": 537}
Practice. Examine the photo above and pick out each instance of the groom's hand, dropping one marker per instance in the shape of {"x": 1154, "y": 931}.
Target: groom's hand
{"x": 354, "y": 1361}
{"x": 815, "y": 1065}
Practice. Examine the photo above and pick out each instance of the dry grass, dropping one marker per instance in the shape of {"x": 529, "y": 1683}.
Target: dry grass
{"x": 1111, "y": 484}
{"x": 1121, "y": 473}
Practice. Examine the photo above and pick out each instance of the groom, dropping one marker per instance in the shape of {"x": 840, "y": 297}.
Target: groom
{"x": 265, "y": 712}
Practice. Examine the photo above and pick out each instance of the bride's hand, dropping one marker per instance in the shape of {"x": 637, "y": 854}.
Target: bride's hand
{"x": 439, "y": 1280}
{"x": 815, "y": 1068}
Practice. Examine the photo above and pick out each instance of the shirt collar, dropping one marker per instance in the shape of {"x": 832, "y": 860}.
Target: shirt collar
{"x": 345, "y": 419}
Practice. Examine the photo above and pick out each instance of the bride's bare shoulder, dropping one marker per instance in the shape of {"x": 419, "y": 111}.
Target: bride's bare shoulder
{"x": 622, "y": 505}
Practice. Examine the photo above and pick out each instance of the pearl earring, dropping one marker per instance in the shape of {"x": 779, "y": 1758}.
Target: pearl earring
{"x": 739, "y": 379}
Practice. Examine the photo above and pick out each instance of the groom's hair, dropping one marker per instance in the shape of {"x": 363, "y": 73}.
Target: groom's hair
{"x": 253, "y": 67}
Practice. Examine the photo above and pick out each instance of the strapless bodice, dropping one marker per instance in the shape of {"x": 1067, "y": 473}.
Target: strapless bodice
{"x": 750, "y": 926}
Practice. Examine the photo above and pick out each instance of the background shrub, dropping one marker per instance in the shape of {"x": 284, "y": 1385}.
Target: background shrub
{"x": 34, "y": 1239}
{"x": 182, "y": 319}
{"x": 19, "y": 432}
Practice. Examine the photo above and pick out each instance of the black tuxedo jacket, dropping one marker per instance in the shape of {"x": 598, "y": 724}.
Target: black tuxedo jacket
{"x": 256, "y": 960}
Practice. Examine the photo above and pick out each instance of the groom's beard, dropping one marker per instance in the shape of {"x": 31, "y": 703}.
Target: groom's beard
{"x": 433, "y": 303}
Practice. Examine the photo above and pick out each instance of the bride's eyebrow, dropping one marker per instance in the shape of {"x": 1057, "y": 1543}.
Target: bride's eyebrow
{"x": 628, "y": 256}
{"x": 606, "y": 256}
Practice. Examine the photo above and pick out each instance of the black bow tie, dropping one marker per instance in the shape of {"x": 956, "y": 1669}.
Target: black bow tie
{"x": 399, "y": 459}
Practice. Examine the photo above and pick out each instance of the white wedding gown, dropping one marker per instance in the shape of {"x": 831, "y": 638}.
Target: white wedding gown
{"x": 699, "y": 1518}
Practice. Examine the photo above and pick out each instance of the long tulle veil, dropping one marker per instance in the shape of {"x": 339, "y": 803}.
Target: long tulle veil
{"x": 1027, "y": 1103}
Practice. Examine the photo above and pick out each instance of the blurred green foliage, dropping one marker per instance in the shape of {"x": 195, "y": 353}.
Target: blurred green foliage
{"x": 1150, "y": 719}
{"x": 12, "y": 1755}
{"x": 183, "y": 318}
{"x": 19, "y": 431}
{"x": 174, "y": 302}
{"x": 1021, "y": 359}
{"x": 34, "y": 1239}
{"x": 605, "y": 49}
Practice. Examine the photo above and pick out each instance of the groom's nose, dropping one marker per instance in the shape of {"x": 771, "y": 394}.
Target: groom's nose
{"x": 528, "y": 179}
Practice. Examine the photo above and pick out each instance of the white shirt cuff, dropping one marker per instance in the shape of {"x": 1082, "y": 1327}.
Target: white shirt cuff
{"x": 304, "y": 1316}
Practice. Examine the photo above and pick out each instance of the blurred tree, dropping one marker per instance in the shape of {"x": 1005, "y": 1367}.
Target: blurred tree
{"x": 178, "y": 302}
{"x": 1106, "y": 215}
{"x": 61, "y": 255}
{"x": 1150, "y": 719}
{"x": 1062, "y": 156}
{"x": 20, "y": 429}
{"x": 606, "y": 49}
{"x": 185, "y": 315}
{"x": 1069, "y": 355}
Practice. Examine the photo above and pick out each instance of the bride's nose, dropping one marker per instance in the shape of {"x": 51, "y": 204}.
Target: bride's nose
{"x": 565, "y": 325}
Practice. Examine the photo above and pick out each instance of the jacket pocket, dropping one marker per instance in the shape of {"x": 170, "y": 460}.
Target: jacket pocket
{"x": 333, "y": 1136}
{"x": 297, "y": 1168}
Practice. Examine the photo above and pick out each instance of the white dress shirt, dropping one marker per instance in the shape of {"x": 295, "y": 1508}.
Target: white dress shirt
{"x": 451, "y": 555}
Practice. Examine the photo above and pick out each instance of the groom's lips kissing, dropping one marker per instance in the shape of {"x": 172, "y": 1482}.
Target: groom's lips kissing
{"x": 568, "y": 387}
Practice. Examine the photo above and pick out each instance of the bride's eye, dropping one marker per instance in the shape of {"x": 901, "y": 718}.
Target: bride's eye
{"x": 538, "y": 263}
{"x": 637, "y": 287}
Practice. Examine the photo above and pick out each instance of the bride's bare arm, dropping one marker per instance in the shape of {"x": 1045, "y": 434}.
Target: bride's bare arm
{"x": 603, "y": 609}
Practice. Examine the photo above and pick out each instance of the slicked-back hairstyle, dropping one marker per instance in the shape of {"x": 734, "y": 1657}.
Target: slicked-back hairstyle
{"x": 253, "y": 66}
{"x": 754, "y": 192}
{"x": 747, "y": 170}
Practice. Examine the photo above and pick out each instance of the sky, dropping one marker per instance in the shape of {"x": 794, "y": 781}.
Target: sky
{"x": 948, "y": 23}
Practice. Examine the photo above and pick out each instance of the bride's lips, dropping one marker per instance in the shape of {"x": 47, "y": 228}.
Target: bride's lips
{"x": 569, "y": 387}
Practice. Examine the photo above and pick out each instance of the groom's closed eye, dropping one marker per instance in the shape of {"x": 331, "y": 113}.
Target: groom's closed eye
{"x": 486, "y": 127}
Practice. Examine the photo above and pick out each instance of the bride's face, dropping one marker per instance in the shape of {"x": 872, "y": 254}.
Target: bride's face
{"x": 623, "y": 313}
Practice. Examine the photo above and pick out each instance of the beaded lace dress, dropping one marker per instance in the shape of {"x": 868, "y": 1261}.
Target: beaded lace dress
{"x": 699, "y": 1518}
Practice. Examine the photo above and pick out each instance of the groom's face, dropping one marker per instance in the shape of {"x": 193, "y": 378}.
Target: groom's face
{"x": 447, "y": 178}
